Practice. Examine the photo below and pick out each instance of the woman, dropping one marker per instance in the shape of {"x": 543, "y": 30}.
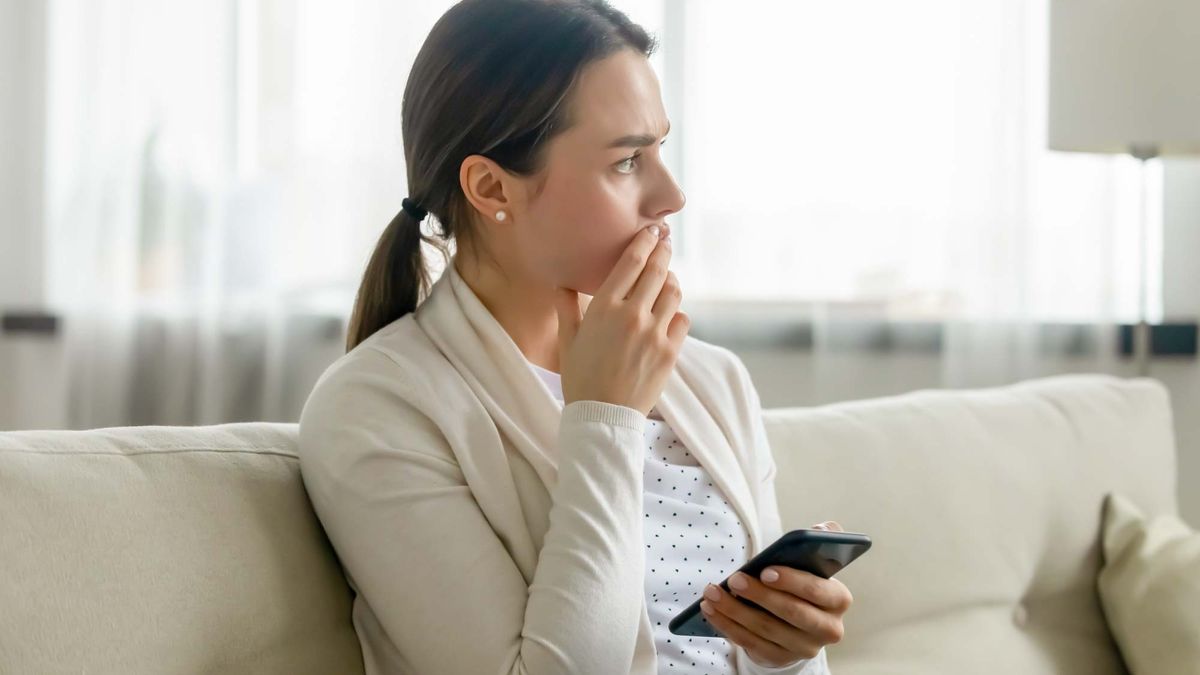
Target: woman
{"x": 529, "y": 467}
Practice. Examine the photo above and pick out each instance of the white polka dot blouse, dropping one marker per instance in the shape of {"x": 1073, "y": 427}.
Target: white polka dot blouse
{"x": 692, "y": 537}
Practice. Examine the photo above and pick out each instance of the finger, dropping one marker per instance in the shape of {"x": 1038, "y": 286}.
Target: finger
{"x": 650, "y": 283}
{"x": 794, "y": 614}
{"x": 667, "y": 302}
{"x": 625, "y": 273}
{"x": 677, "y": 330}
{"x": 828, "y": 594}
{"x": 828, "y": 525}
{"x": 758, "y": 647}
{"x": 566, "y": 302}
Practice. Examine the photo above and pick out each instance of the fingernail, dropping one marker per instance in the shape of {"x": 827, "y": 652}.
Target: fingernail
{"x": 738, "y": 582}
{"x": 712, "y": 593}
{"x": 654, "y": 230}
{"x": 705, "y": 607}
{"x": 820, "y": 527}
{"x": 770, "y": 574}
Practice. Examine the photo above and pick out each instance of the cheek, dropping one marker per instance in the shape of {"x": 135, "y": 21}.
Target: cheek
{"x": 591, "y": 229}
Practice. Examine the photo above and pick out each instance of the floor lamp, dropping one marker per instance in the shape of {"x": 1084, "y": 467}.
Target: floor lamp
{"x": 1125, "y": 79}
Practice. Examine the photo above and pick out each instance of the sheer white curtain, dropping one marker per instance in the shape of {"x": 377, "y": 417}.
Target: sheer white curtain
{"x": 218, "y": 172}
{"x": 870, "y": 164}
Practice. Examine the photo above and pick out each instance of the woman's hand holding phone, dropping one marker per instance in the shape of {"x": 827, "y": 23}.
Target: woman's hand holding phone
{"x": 804, "y": 612}
{"x": 622, "y": 350}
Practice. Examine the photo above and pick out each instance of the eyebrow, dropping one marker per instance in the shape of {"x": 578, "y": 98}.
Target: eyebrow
{"x": 637, "y": 140}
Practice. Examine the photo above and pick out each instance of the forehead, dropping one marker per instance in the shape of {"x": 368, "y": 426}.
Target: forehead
{"x": 618, "y": 95}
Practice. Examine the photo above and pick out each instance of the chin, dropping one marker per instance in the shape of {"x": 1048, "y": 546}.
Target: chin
{"x": 584, "y": 284}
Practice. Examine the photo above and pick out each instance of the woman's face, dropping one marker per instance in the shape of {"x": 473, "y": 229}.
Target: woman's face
{"x": 572, "y": 221}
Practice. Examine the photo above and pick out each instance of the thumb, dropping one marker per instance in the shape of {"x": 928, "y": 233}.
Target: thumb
{"x": 566, "y": 301}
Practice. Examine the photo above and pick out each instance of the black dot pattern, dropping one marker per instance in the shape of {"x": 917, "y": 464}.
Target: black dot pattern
{"x": 693, "y": 536}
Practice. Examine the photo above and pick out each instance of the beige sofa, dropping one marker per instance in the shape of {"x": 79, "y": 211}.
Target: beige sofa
{"x": 194, "y": 550}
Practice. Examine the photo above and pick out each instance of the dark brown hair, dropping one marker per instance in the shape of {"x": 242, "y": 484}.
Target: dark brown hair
{"x": 493, "y": 78}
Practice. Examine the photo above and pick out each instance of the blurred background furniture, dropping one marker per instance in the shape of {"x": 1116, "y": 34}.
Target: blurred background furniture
{"x": 194, "y": 549}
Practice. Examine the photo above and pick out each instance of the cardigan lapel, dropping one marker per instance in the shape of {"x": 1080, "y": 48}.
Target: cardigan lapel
{"x": 684, "y": 411}
{"x": 494, "y": 368}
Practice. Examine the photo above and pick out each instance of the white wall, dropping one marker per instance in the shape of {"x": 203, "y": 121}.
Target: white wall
{"x": 22, "y": 117}
{"x": 30, "y": 393}
{"x": 1181, "y": 300}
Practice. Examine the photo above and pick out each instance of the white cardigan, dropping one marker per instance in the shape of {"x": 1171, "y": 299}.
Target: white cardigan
{"x": 484, "y": 527}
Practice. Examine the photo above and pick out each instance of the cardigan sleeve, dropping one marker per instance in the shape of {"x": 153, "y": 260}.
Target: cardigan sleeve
{"x": 768, "y": 516}
{"x": 444, "y": 596}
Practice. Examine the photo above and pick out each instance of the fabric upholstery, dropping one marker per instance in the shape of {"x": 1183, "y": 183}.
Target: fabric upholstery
{"x": 166, "y": 550}
{"x": 192, "y": 550}
{"x": 984, "y": 509}
{"x": 1150, "y": 589}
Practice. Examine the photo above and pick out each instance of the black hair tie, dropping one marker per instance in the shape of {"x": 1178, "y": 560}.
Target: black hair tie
{"x": 413, "y": 210}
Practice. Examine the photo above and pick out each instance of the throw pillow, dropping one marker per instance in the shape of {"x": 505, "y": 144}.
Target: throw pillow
{"x": 1149, "y": 588}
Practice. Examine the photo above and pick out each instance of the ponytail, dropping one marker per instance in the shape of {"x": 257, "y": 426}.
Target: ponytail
{"x": 394, "y": 282}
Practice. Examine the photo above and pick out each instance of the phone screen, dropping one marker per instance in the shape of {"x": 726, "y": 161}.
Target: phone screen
{"x": 820, "y": 552}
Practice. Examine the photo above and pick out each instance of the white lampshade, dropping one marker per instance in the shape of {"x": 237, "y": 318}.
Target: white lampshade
{"x": 1125, "y": 73}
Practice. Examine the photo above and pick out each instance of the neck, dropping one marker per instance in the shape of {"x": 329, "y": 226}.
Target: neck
{"x": 524, "y": 308}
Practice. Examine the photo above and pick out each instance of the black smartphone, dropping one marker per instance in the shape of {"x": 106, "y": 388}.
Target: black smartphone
{"x": 820, "y": 552}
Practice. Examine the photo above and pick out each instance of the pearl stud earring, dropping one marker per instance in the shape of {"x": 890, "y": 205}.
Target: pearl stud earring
{"x": 500, "y": 215}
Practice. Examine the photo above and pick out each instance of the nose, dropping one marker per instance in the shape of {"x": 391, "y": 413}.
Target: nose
{"x": 674, "y": 199}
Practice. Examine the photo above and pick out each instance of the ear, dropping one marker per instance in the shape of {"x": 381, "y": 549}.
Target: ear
{"x": 489, "y": 188}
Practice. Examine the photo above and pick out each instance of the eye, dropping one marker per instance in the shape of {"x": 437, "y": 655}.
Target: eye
{"x": 633, "y": 158}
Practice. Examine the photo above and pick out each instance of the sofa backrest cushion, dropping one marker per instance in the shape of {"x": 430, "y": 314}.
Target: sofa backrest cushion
{"x": 984, "y": 507}
{"x": 166, "y": 550}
